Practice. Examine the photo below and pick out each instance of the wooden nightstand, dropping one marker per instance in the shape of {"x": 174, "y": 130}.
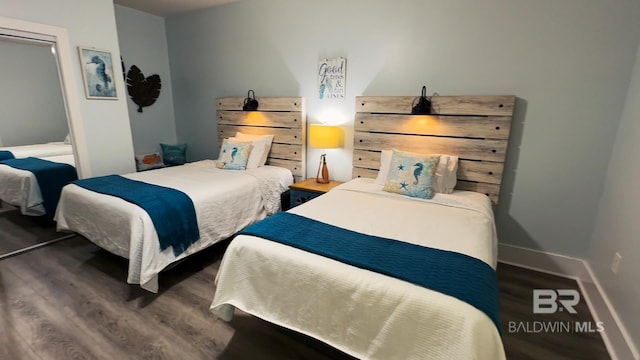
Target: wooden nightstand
{"x": 305, "y": 190}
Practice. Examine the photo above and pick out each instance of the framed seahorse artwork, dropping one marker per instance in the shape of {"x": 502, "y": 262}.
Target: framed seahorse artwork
{"x": 97, "y": 73}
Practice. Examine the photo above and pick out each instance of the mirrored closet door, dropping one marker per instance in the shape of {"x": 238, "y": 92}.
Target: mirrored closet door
{"x": 32, "y": 112}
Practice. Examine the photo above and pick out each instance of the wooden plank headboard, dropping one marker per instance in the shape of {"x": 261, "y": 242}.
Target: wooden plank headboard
{"x": 283, "y": 117}
{"x": 474, "y": 128}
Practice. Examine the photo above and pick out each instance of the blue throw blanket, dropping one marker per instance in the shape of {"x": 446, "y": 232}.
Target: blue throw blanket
{"x": 6, "y": 154}
{"x": 51, "y": 177}
{"x": 171, "y": 210}
{"x": 458, "y": 275}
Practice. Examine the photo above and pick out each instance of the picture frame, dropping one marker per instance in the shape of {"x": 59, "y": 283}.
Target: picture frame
{"x": 97, "y": 73}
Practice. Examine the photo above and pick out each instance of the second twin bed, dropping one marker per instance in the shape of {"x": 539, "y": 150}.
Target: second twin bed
{"x": 225, "y": 200}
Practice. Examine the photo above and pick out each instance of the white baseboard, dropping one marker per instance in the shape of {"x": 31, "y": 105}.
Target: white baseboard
{"x": 615, "y": 336}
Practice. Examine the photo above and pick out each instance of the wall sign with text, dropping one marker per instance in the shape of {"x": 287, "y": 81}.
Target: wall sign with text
{"x": 332, "y": 77}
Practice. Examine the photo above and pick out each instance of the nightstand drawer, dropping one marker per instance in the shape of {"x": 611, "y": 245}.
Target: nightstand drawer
{"x": 300, "y": 197}
{"x": 305, "y": 190}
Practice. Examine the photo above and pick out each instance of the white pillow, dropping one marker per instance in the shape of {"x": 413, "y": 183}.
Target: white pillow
{"x": 261, "y": 148}
{"x": 149, "y": 161}
{"x": 385, "y": 163}
{"x": 446, "y": 172}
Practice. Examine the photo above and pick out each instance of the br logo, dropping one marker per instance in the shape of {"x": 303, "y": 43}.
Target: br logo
{"x": 545, "y": 301}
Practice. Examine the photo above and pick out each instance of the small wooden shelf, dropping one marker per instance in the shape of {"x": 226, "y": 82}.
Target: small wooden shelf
{"x": 312, "y": 186}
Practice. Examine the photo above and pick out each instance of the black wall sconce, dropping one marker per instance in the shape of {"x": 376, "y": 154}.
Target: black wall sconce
{"x": 250, "y": 102}
{"x": 423, "y": 107}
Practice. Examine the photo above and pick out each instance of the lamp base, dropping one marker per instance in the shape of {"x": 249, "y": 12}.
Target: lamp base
{"x": 322, "y": 177}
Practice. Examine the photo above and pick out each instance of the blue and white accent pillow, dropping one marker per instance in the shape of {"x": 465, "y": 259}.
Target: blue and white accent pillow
{"x": 234, "y": 155}
{"x": 412, "y": 174}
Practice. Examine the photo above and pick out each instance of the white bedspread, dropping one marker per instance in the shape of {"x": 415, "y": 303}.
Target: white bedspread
{"x": 363, "y": 313}
{"x": 225, "y": 201}
{"x": 40, "y": 150}
{"x": 20, "y": 187}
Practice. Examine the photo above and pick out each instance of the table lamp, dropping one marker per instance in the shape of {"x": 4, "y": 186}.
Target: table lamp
{"x": 324, "y": 137}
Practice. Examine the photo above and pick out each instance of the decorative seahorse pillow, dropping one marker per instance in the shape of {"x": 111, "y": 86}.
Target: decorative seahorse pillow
{"x": 412, "y": 174}
{"x": 234, "y": 155}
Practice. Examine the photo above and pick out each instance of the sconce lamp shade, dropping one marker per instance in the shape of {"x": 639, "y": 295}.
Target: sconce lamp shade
{"x": 250, "y": 102}
{"x": 324, "y": 136}
{"x": 423, "y": 107}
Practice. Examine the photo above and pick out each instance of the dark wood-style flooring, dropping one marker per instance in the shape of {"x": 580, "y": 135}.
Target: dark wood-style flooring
{"x": 544, "y": 336}
{"x": 70, "y": 300}
{"x": 18, "y": 231}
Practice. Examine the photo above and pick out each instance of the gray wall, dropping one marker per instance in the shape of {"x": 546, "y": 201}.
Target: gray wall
{"x": 617, "y": 227}
{"x": 143, "y": 43}
{"x": 568, "y": 62}
{"x": 30, "y": 97}
{"x": 91, "y": 24}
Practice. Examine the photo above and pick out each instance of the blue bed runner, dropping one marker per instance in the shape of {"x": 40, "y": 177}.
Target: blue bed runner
{"x": 171, "y": 210}
{"x": 6, "y": 154}
{"x": 51, "y": 177}
{"x": 458, "y": 275}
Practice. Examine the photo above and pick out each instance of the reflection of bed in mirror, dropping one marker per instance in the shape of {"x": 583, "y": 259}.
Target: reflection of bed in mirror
{"x": 20, "y": 188}
{"x": 36, "y": 150}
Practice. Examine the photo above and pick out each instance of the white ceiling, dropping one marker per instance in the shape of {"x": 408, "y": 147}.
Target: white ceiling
{"x": 170, "y": 7}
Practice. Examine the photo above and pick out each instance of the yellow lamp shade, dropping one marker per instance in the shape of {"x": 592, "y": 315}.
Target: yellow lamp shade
{"x": 324, "y": 136}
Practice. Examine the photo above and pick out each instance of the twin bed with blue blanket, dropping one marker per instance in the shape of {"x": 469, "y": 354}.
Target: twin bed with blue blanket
{"x": 155, "y": 218}
{"x": 33, "y": 184}
{"x": 205, "y": 204}
{"x": 381, "y": 275}
{"x": 374, "y": 274}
